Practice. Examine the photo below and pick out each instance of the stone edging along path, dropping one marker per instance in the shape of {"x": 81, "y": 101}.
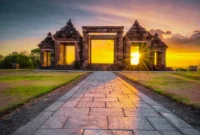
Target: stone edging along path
{"x": 105, "y": 104}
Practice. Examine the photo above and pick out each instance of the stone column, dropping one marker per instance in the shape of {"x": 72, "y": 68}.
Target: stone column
{"x": 128, "y": 51}
{"x": 85, "y": 49}
{"x": 120, "y": 46}
{"x": 77, "y": 51}
{"x": 57, "y": 53}
{"x": 41, "y": 58}
{"x": 52, "y": 58}
{"x": 164, "y": 58}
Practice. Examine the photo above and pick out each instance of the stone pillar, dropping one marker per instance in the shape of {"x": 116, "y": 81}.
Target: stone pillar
{"x": 128, "y": 51}
{"x": 52, "y": 58}
{"x": 164, "y": 58}
{"x": 41, "y": 58}
{"x": 120, "y": 46}
{"x": 57, "y": 53}
{"x": 77, "y": 51}
{"x": 85, "y": 49}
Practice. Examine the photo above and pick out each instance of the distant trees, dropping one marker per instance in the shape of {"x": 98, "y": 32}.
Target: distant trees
{"x": 1, "y": 57}
{"x": 24, "y": 59}
{"x": 35, "y": 57}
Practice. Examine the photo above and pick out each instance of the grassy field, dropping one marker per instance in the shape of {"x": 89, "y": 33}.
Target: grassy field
{"x": 181, "y": 86}
{"x": 18, "y": 87}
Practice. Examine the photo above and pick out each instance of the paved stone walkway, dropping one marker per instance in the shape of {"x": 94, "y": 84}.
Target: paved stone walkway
{"x": 103, "y": 104}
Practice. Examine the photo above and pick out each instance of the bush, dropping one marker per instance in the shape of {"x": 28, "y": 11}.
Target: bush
{"x": 17, "y": 58}
{"x": 23, "y": 59}
{"x": 181, "y": 69}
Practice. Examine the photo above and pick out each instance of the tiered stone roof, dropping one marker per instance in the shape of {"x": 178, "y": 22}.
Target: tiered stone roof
{"x": 67, "y": 33}
{"x": 48, "y": 42}
{"x": 138, "y": 33}
{"x": 157, "y": 42}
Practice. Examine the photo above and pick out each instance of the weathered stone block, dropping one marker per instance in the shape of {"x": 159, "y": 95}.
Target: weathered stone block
{"x": 130, "y": 123}
{"x": 86, "y": 122}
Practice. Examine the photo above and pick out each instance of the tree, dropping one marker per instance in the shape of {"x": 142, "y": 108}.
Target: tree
{"x": 35, "y": 57}
{"x": 36, "y": 51}
{"x": 1, "y": 57}
{"x": 21, "y": 59}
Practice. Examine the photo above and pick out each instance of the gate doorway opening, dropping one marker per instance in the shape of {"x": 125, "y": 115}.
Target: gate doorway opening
{"x": 102, "y": 51}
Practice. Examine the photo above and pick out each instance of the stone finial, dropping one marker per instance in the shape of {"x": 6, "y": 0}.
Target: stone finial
{"x": 69, "y": 22}
{"x": 49, "y": 34}
{"x": 156, "y": 35}
{"x": 136, "y": 23}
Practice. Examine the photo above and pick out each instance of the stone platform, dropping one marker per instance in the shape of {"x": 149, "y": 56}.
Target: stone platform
{"x": 104, "y": 104}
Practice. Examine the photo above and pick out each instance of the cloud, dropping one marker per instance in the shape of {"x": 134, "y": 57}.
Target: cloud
{"x": 160, "y": 32}
{"x": 179, "y": 40}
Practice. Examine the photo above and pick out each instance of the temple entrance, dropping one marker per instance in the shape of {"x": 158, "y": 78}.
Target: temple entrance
{"x": 47, "y": 58}
{"x": 135, "y": 55}
{"x": 102, "y": 45}
{"x": 102, "y": 51}
{"x": 67, "y": 54}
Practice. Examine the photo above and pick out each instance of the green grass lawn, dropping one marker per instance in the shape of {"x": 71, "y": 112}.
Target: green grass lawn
{"x": 181, "y": 86}
{"x": 18, "y": 87}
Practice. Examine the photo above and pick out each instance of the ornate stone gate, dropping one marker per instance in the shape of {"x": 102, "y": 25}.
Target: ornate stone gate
{"x": 88, "y": 36}
{"x": 151, "y": 48}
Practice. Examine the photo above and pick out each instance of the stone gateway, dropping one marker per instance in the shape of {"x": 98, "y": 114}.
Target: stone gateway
{"x": 136, "y": 50}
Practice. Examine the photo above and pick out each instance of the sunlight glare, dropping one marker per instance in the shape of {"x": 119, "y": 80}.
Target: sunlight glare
{"x": 135, "y": 58}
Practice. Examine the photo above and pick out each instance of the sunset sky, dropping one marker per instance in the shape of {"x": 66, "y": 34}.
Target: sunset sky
{"x": 24, "y": 23}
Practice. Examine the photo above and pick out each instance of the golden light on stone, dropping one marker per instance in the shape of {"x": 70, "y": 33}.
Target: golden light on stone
{"x": 135, "y": 58}
{"x": 135, "y": 55}
{"x": 70, "y": 54}
{"x": 102, "y": 51}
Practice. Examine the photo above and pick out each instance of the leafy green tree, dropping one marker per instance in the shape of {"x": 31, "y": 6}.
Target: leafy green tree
{"x": 17, "y": 58}
{"x": 35, "y": 57}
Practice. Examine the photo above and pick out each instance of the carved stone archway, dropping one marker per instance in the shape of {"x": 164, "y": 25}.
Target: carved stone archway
{"x": 118, "y": 38}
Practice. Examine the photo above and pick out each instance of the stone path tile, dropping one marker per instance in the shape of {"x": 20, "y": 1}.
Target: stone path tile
{"x": 59, "y": 132}
{"x": 70, "y": 104}
{"x": 161, "y": 123}
{"x": 116, "y": 95}
{"x": 106, "y": 99}
{"x": 142, "y": 105}
{"x": 104, "y": 104}
{"x": 130, "y": 123}
{"x": 120, "y": 105}
{"x": 88, "y": 99}
{"x": 78, "y": 95}
{"x": 91, "y": 104}
{"x": 53, "y": 107}
{"x": 56, "y": 121}
{"x": 107, "y": 132}
{"x": 175, "y": 121}
{"x": 72, "y": 112}
{"x": 63, "y": 99}
{"x": 172, "y": 133}
{"x": 140, "y": 112}
{"x": 74, "y": 99}
{"x": 86, "y": 122}
{"x": 142, "y": 132}
{"x": 95, "y": 95}
{"x": 106, "y": 112}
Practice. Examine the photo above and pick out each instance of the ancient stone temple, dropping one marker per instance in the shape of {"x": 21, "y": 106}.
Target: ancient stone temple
{"x": 136, "y": 50}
